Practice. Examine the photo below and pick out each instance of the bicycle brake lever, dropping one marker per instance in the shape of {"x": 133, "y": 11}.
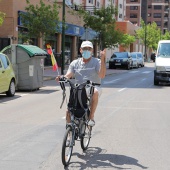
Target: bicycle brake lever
{"x": 64, "y": 96}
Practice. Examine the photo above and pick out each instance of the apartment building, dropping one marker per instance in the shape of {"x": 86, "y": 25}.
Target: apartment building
{"x": 150, "y": 11}
{"x": 133, "y": 11}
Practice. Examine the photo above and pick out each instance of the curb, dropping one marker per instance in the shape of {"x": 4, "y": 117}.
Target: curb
{"x": 46, "y": 78}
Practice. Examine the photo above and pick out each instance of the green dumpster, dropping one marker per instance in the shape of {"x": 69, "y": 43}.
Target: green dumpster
{"x": 28, "y": 64}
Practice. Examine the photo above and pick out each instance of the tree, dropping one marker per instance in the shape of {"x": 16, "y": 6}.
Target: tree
{"x": 127, "y": 40}
{"x": 40, "y": 20}
{"x": 2, "y": 16}
{"x": 166, "y": 36}
{"x": 104, "y": 23}
{"x": 152, "y": 34}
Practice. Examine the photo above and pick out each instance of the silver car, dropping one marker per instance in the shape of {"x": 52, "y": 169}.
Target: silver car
{"x": 140, "y": 57}
{"x": 135, "y": 60}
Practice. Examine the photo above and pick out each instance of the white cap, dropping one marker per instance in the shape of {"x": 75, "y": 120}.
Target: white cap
{"x": 86, "y": 44}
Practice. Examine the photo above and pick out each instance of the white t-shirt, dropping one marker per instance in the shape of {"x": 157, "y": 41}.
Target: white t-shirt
{"x": 86, "y": 71}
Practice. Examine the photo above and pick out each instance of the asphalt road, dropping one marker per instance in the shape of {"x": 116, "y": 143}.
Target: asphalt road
{"x": 131, "y": 131}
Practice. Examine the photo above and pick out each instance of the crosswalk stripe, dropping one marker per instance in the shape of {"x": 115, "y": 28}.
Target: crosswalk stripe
{"x": 146, "y": 72}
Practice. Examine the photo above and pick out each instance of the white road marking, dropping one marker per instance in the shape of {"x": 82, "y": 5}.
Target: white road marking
{"x": 143, "y": 79}
{"x": 146, "y": 72}
{"x": 109, "y": 82}
{"x": 122, "y": 89}
{"x": 133, "y": 71}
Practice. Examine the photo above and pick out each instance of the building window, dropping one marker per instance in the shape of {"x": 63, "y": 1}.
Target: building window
{"x": 149, "y": 6}
{"x": 157, "y": 7}
{"x": 157, "y": 15}
{"x": 120, "y": 5}
{"x": 133, "y": 0}
{"x": 133, "y": 15}
{"x": 133, "y": 7}
{"x": 157, "y": 0}
{"x": 120, "y": 15}
{"x": 91, "y": 1}
{"x": 158, "y": 23}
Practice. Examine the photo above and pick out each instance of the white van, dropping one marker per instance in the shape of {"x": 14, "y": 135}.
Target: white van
{"x": 162, "y": 62}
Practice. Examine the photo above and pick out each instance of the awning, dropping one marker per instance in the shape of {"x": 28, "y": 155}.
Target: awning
{"x": 32, "y": 50}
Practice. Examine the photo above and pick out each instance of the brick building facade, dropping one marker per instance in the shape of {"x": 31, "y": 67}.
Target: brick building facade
{"x": 11, "y": 26}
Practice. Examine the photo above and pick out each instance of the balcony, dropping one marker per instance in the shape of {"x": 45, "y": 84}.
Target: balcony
{"x": 165, "y": 18}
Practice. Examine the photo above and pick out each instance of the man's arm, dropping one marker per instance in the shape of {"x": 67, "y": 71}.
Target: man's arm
{"x": 102, "y": 71}
{"x": 68, "y": 74}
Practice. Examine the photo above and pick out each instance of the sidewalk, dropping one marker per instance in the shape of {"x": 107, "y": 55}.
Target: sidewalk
{"x": 49, "y": 74}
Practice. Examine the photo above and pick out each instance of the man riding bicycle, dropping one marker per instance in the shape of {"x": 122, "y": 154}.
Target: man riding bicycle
{"x": 88, "y": 68}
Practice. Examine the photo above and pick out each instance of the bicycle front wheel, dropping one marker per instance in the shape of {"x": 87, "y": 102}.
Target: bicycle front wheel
{"x": 67, "y": 146}
{"x": 85, "y": 139}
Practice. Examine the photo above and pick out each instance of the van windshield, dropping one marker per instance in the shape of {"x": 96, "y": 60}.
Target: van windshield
{"x": 164, "y": 50}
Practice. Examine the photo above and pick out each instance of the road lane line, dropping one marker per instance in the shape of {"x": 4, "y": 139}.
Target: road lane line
{"x": 122, "y": 89}
{"x": 146, "y": 72}
{"x": 112, "y": 81}
{"x": 133, "y": 71}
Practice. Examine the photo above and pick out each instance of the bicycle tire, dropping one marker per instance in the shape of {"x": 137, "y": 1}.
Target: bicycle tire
{"x": 67, "y": 150}
{"x": 85, "y": 139}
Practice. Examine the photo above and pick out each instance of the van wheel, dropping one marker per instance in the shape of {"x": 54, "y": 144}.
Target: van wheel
{"x": 156, "y": 82}
{"x": 11, "y": 91}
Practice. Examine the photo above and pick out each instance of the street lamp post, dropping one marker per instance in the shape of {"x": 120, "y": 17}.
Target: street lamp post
{"x": 63, "y": 39}
{"x": 145, "y": 41}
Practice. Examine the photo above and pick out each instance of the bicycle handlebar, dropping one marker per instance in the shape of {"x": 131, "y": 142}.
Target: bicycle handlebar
{"x": 65, "y": 80}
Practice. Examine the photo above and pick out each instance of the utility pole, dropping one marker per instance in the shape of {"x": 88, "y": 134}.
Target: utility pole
{"x": 146, "y": 17}
{"x": 63, "y": 40}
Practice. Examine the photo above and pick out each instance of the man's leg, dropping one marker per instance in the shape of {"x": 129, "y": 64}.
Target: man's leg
{"x": 94, "y": 104}
{"x": 68, "y": 119}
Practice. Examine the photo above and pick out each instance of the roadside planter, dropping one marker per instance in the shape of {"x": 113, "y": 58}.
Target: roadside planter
{"x": 28, "y": 65}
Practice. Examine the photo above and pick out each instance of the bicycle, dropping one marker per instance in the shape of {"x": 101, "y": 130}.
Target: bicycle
{"x": 78, "y": 128}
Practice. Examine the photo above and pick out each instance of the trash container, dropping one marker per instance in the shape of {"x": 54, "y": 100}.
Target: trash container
{"x": 28, "y": 61}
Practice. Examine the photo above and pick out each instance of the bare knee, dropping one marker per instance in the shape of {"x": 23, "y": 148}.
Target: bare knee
{"x": 67, "y": 116}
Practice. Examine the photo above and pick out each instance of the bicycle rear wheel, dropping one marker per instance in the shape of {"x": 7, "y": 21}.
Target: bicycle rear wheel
{"x": 67, "y": 146}
{"x": 85, "y": 139}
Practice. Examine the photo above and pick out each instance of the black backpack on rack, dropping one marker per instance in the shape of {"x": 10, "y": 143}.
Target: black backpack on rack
{"x": 78, "y": 100}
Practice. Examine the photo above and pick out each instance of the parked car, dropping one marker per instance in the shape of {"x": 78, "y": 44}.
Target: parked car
{"x": 7, "y": 76}
{"x": 120, "y": 59}
{"x": 135, "y": 60}
{"x": 141, "y": 58}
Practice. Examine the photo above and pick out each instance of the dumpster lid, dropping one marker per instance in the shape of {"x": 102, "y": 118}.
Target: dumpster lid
{"x": 32, "y": 50}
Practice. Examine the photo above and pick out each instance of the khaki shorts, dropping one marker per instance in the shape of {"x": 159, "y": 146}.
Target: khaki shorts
{"x": 99, "y": 89}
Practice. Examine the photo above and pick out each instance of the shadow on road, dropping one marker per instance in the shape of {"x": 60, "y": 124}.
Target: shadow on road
{"x": 98, "y": 158}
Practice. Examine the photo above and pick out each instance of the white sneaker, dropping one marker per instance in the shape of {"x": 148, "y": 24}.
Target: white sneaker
{"x": 91, "y": 123}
